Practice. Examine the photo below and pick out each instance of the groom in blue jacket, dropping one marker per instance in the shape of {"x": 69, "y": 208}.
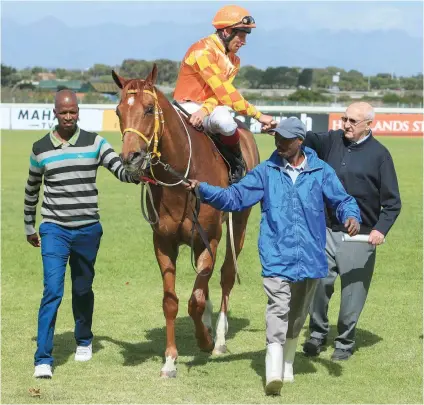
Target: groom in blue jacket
{"x": 293, "y": 186}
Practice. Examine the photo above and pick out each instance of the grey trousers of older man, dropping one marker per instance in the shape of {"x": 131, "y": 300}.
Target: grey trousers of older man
{"x": 287, "y": 308}
{"x": 354, "y": 262}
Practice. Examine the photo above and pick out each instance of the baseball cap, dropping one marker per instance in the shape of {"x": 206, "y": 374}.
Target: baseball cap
{"x": 290, "y": 128}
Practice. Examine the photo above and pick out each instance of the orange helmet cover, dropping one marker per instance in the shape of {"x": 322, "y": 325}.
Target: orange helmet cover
{"x": 232, "y": 16}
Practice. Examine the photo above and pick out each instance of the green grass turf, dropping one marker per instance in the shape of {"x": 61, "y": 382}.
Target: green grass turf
{"x": 129, "y": 326}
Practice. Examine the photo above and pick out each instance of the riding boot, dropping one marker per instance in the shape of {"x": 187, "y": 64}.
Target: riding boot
{"x": 236, "y": 162}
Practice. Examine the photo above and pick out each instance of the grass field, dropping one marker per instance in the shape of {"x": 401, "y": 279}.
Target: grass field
{"x": 129, "y": 325}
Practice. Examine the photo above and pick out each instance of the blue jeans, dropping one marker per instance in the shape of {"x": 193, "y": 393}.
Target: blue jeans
{"x": 58, "y": 245}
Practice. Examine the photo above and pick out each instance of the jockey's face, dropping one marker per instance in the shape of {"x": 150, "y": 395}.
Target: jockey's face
{"x": 238, "y": 41}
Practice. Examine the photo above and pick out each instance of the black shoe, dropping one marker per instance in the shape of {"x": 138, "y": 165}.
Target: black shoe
{"x": 237, "y": 163}
{"x": 341, "y": 354}
{"x": 313, "y": 346}
{"x": 237, "y": 173}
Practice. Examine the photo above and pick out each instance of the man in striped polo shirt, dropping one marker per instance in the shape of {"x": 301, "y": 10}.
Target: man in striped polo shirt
{"x": 68, "y": 158}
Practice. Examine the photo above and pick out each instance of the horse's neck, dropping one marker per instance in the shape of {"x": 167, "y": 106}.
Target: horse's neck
{"x": 182, "y": 144}
{"x": 175, "y": 139}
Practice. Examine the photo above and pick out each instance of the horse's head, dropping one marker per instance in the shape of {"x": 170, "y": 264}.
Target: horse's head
{"x": 140, "y": 119}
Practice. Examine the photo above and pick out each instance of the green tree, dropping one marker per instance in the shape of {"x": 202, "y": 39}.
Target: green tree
{"x": 135, "y": 69}
{"x": 303, "y": 95}
{"x": 61, "y": 73}
{"x": 305, "y": 78}
{"x": 100, "y": 70}
{"x": 9, "y": 75}
{"x": 251, "y": 75}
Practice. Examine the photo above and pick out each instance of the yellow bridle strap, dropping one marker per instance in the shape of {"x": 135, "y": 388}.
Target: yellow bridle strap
{"x": 143, "y": 137}
{"x": 158, "y": 121}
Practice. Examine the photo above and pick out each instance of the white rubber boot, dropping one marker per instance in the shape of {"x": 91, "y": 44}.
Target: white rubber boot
{"x": 274, "y": 369}
{"x": 289, "y": 354}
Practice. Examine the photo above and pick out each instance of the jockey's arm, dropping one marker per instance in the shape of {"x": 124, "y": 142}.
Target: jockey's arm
{"x": 224, "y": 90}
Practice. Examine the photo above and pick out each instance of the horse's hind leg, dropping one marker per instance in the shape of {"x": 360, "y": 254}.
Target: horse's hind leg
{"x": 228, "y": 276}
{"x": 198, "y": 302}
{"x": 166, "y": 255}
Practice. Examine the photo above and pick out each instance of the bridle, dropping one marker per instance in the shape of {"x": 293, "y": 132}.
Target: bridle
{"x": 158, "y": 128}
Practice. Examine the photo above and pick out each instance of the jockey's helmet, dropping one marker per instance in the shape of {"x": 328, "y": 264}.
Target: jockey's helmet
{"x": 234, "y": 17}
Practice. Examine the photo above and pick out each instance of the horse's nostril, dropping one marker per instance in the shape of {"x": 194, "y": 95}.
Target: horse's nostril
{"x": 135, "y": 155}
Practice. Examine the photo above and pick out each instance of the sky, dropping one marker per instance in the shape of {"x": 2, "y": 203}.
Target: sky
{"x": 288, "y": 33}
{"x": 308, "y": 16}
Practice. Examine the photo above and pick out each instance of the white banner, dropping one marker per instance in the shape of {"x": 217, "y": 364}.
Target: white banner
{"x": 40, "y": 118}
{"x": 5, "y": 118}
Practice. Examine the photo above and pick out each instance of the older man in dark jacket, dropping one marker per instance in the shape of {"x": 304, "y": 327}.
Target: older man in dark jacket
{"x": 366, "y": 170}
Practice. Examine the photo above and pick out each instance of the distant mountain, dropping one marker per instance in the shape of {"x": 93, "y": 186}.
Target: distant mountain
{"x": 50, "y": 43}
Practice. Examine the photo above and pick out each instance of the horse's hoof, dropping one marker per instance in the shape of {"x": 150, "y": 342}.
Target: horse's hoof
{"x": 207, "y": 349}
{"x": 218, "y": 350}
{"x": 168, "y": 374}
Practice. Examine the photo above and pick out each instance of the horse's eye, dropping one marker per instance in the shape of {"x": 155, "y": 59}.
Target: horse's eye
{"x": 117, "y": 111}
{"x": 149, "y": 109}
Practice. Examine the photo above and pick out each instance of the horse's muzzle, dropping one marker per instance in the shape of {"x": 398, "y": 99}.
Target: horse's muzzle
{"x": 134, "y": 161}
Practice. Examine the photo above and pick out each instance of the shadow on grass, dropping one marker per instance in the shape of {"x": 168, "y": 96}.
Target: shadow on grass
{"x": 302, "y": 363}
{"x": 137, "y": 353}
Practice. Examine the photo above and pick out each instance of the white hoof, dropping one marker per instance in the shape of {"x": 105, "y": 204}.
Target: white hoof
{"x": 219, "y": 349}
{"x": 169, "y": 370}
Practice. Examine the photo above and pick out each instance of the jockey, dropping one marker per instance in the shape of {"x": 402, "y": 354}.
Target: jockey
{"x": 204, "y": 85}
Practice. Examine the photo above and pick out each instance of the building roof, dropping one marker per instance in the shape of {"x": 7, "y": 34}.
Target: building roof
{"x": 54, "y": 84}
{"x": 101, "y": 87}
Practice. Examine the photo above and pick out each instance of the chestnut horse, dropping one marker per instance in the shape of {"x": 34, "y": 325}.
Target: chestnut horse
{"x": 152, "y": 130}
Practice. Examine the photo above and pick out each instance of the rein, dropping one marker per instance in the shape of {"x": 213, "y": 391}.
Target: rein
{"x": 153, "y": 158}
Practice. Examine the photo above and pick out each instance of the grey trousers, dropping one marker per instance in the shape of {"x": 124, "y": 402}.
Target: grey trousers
{"x": 354, "y": 262}
{"x": 287, "y": 307}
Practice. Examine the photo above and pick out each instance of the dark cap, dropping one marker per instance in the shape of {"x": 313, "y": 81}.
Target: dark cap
{"x": 290, "y": 128}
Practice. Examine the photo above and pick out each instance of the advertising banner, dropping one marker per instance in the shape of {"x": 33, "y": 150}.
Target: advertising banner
{"x": 313, "y": 122}
{"x": 5, "y": 118}
{"x": 316, "y": 122}
{"x": 43, "y": 118}
{"x": 388, "y": 124}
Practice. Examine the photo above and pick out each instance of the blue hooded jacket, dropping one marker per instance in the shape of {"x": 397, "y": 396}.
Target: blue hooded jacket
{"x": 292, "y": 232}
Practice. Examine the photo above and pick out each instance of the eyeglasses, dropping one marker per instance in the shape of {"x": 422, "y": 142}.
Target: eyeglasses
{"x": 352, "y": 122}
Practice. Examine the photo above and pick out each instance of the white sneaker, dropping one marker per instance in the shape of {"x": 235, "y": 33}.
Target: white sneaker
{"x": 84, "y": 353}
{"x": 43, "y": 371}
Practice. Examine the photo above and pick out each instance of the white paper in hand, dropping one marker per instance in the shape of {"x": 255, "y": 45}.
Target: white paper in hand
{"x": 357, "y": 238}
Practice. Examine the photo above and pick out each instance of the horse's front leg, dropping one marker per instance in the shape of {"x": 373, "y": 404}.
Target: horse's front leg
{"x": 198, "y": 300}
{"x": 166, "y": 255}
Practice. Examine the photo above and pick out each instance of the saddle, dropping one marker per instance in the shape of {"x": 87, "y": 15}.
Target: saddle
{"x": 232, "y": 155}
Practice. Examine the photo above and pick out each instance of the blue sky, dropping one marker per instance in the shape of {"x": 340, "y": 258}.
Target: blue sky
{"x": 369, "y": 36}
{"x": 302, "y": 15}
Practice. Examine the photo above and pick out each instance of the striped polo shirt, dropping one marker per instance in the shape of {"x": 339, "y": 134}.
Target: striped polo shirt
{"x": 69, "y": 170}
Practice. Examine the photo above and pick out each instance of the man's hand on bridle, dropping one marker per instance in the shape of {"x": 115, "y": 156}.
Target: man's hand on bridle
{"x": 191, "y": 185}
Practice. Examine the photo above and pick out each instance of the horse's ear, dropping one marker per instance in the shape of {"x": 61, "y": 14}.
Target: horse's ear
{"x": 151, "y": 79}
{"x": 120, "y": 81}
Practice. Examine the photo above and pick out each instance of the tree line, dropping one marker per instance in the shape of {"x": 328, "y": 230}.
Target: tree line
{"x": 249, "y": 77}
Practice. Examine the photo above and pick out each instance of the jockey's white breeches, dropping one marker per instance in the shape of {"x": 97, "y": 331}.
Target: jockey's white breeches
{"x": 219, "y": 121}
